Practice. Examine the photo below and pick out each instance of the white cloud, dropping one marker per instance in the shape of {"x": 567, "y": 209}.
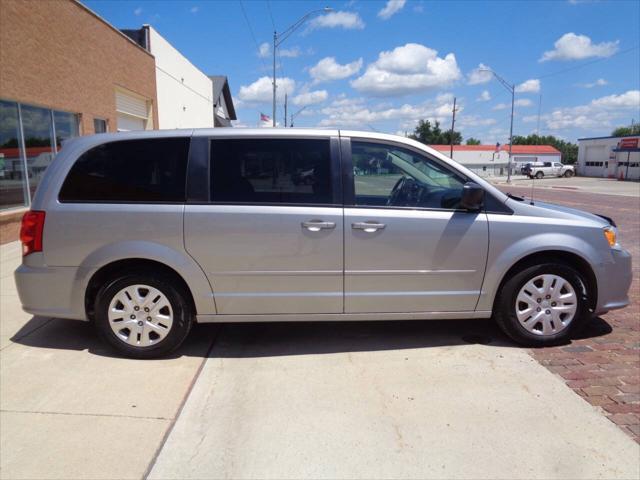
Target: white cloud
{"x": 598, "y": 115}
{"x": 310, "y": 98}
{"x": 521, "y": 102}
{"x": 481, "y": 74}
{"x": 194, "y": 9}
{"x": 577, "y": 47}
{"x": 485, "y": 96}
{"x": 328, "y": 69}
{"x": 261, "y": 91}
{"x": 407, "y": 69}
{"x": 391, "y": 8}
{"x": 264, "y": 50}
{"x": 598, "y": 83}
{"x": 530, "y": 86}
{"x": 339, "y": 19}
{"x": 289, "y": 52}
{"x": 137, "y": 11}
{"x": 354, "y": 112}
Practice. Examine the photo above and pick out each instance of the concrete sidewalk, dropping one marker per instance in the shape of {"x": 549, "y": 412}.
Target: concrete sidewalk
{"x": 71, "y": 410}
{"x": 386, "y": 400}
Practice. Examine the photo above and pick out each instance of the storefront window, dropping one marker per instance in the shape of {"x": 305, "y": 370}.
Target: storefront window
{"x": 37, "y": 128}
{"x": 66, "y": 126}
{"x": 32, "y": 127}
{"x": 13, "y": 184}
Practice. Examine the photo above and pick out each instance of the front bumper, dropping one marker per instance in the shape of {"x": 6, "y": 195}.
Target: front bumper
{"x": 614, "y": 281}
{"x": 50, "y": 291}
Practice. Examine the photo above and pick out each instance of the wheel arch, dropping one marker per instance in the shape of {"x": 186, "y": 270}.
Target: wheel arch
{"x": 110, "y": 270}
{"x": 571, "y": 259}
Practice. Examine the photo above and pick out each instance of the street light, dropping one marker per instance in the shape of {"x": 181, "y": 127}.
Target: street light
{"x": 294, "y": 115}
{"x": 512, "y": 89}
{"x": 277, "y": 41}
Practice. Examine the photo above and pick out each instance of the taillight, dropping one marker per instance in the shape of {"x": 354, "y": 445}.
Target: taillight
{"x": 31, "y": 232}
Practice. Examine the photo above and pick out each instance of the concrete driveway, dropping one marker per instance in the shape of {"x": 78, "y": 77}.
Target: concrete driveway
{"x": 439, "y": 399}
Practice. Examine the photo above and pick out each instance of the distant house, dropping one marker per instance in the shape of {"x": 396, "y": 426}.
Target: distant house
{"x": 492, "y": 160}
{"x": 187, "y": 98}
{"x": 223, "y": 109}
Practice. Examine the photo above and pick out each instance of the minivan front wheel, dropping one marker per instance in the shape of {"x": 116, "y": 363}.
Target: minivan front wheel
{"x": 143, "y": 316}
{"x": 542, "y": 305}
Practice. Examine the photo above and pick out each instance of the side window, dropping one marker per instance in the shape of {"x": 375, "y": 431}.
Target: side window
{"x": 150, "y": 170}
{"x": 386, "y": 175}
{"x": 271, "y": 171}
{"x": 557, "y": 164}
{"x": 547, "y": 164}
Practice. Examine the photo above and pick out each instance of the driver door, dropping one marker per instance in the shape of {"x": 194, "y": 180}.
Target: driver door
{"x": 423, "y": 257}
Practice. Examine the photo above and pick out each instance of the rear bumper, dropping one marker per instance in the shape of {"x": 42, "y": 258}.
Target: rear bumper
{"x": 614, "y": 281}
{"x": 50, "y": 291}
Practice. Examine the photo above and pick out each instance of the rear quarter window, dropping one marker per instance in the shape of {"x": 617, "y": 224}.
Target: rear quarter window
{"x": 149, "y": 170}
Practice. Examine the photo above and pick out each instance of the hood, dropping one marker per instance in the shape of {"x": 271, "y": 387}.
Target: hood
{"x": 551, "y": 210}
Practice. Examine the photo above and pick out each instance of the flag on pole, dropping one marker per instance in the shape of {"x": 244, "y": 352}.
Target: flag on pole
{"x": 264, "y": 118}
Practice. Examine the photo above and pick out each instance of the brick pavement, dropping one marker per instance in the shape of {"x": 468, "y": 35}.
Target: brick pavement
{"x": 603, "y": 364}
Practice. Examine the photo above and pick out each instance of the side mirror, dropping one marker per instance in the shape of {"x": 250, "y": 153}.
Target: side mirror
{"x": 472, "y": 197}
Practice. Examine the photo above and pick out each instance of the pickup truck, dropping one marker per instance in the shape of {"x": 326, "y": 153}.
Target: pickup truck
{"x": 551, "y": 169}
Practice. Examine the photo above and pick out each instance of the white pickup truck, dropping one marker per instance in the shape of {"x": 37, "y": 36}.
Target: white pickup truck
{"x": 548, "y": 169}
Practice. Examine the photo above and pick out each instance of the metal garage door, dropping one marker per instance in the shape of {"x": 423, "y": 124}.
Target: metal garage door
{"x": 132, "y": 112}
{"x": 595, "y": 158}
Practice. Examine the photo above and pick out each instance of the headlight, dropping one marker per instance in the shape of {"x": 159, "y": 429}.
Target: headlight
{"x": 611, "y": 235}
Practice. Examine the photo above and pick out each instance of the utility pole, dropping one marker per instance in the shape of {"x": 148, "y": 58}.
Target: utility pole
{"x": 275, "y": 45}
{"x": 539, "y": 110}
{"x": 512, "y": 90}
{"x": 285, "y": 110}
{"x": 513, "y": 101}
{"x": 453, "y": 123}
{"x": 277, "y": 41}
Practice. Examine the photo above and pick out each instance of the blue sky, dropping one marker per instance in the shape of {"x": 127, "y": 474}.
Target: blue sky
{"x": 383, "y": 65}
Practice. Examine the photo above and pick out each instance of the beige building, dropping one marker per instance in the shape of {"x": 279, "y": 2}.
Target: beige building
{"x": 64, "y": 72}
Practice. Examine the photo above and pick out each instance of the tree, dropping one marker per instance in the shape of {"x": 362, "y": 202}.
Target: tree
{"x": 633, "y": 129}
{"x": 569, "y": 150}
{"x": 473, "y": 141}
{"x": 430, "y": 134}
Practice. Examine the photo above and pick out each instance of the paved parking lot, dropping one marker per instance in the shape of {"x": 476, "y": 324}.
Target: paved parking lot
{"x": 433, "y": 399}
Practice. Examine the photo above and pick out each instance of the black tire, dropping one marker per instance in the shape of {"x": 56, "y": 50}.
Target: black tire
{"x": 172, "y": 290}
{"x": 568, "y": 174}
{"x": 505, "y": 305}
{"x": 539, "y": 175}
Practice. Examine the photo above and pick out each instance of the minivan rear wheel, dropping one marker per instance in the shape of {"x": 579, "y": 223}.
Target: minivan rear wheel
{"x": 143, "y": 315}
{"x": 542, "y": 305}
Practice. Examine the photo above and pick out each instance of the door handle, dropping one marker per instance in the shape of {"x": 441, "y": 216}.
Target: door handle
{"x": 317, "y": 225}
{"x": 368, "y": 227}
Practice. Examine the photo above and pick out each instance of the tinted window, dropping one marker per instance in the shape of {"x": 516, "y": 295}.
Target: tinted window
{"x": 271, "y": 171}
{"x": 386, "y": 175}
{"x": 152, "y": 170}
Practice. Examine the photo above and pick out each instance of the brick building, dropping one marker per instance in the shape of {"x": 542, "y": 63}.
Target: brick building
{"x": 64, "y": 72}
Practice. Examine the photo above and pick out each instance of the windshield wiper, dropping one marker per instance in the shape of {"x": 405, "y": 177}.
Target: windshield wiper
{"x": 515, "y": 197}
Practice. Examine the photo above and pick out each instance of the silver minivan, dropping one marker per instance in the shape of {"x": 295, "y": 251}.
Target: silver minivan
{"x": 145, "y": 233}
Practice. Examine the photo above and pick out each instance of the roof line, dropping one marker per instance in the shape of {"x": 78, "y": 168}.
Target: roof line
{"x": 91, "y": 12}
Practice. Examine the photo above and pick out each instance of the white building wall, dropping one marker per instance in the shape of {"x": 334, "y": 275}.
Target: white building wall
{"x": 184, "y": 92}
{"x": 596, "y": 158}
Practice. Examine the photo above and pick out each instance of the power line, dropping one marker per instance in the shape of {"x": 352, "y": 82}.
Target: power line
{"x": 575, "y": 67}
{"x": 244, "y": 13}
